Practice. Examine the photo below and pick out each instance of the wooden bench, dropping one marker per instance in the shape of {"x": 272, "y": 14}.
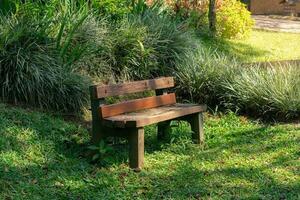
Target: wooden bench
{"x": 130, "y": 117}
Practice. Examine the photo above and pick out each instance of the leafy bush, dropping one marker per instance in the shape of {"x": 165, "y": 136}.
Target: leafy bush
{"x": 207, "y": 77}
{"x": 148, "y": 44}
{"x": 54, "y": 41}
{"x": 233, "y": 19}
{"x": 130, "y": 54}
{"x": 169, "y": 39}
{"x": 200, "y": 73}
{"x": 272, "y": 91}
{"x": 115, "y": 9}
{"x": 84, "y": 43}
{"x": 7, "y": 6}
{"x": 195, "y": 12}
{"x": 31, "y": 71}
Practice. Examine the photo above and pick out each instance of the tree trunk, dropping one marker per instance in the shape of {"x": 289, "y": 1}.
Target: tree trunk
{"x": 212, "y": 16}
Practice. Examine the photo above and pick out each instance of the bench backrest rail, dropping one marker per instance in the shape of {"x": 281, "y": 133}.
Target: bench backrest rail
{"x": 102, "y": 91}
{"x": 136, "y": 105}
{"x": 162, "y": 98}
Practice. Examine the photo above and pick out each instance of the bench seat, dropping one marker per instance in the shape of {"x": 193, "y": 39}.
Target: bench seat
{"x": 154, "y": 115}
{"x": 128, "y": 118}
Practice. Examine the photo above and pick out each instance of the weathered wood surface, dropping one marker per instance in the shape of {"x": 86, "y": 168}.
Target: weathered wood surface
{"x": 136, "y": 105}
{"x": 129, "y": 118}
{"x": 102, "y": 91}
{"x": 97, "y": 127}
{"x": 136, "y": 148}
{"x": 151, "y": 116}
{"x": 196, "y": 122}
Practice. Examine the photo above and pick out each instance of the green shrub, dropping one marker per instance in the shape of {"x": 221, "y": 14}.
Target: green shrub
{"x": 168, "y": 39}
{"x": 194, "y": 12}
{"x": 199, "y": 75}
{"x": 31, "y": 71}
{"x": 207, "y": 77}
{"x": 270, "y": 91}
{"x": 7, "y": 6}
{"x": 115, "y": 9}
{"x": 131, "y": 54}
{"x": 56, "y": 40}
{"x": 233, "y": 20}
{"x": 84, "y": 43}
{"x": 148, "y": 44}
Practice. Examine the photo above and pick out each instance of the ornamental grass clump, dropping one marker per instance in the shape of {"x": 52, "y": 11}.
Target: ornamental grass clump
{"x": 205, "y": 76}
{"x": 148, "y": 44}
{"x": 31, "y": 71}
{"x": 268, "y": 91}
{"x": 200, "y": 73}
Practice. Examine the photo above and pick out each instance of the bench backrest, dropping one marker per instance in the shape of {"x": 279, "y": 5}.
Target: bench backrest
{"x": 99, "y": 92}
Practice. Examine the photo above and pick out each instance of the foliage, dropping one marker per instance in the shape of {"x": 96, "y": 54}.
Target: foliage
{"x": 144, "y": 44}
{"x": 272, "y": 90}
{"x": 169, "y": 40}
{"x": 115, "y": 9}
{"x": 100, "y": 152}
{"x": 183, "y": 7}
{"x": 199, "y": 74}
{"x": 56, "y": 41}
{"x": 194, "y": 12}
{"x": 212, "y": 78}
{"x": 233, "y": 20}
{"x": 7, "y": 6}
{"x": 42, "y": 157}
{"x": 148, "y": 44}
{"x": 31, "y": 71}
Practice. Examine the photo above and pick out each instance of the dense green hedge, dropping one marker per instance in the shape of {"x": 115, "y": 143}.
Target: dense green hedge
{"x": 51, "y": 51}
{"x": 210, "y": 77}
{"x": 47, "y": 48}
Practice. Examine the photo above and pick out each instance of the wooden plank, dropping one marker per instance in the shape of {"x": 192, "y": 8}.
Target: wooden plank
{"x": 132, "y": 87}
{"x": 136, "y": 105}
{"x": 154, "y": 115}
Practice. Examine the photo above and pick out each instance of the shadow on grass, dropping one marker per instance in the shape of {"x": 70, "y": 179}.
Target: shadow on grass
{"x": 228, "y": 183}
{"x": 238, "y": 50}
{"x": 41, "y": 157}
{"x": 252, "y": 164}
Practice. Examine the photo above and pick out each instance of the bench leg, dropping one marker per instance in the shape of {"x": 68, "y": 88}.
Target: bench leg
{"x": 163, "y": 129}
{"x": 136, "y": 148}
{"x": 196, "y": 122}
{"x": 97, "y": 133}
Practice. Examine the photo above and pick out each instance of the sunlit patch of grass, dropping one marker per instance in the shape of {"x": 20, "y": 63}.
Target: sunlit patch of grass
{"x": 276, "y": 45}
{"x": 42, "y": 157}
{"x": 260, "y": 46}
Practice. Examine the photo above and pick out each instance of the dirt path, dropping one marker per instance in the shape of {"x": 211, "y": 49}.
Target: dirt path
{"x": 282, "y": 25}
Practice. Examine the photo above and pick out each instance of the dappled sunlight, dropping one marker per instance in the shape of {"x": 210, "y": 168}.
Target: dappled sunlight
{"x": 57, "y": 126}
{"x": 44, "y": 158}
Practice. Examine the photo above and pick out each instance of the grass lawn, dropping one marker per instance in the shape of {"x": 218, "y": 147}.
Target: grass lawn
{"x": 261, "y": 46}
{"x": 42, "y": 157}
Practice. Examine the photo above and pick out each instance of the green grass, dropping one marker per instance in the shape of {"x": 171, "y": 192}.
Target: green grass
{"x": 261, "y": 46}
{"x": 42, "y": 157}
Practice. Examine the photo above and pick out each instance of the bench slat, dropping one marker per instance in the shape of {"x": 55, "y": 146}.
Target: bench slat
{"x": 132, "y": 87}
{"x": 154, "y": 115}
{"x": 136, "y": 105}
